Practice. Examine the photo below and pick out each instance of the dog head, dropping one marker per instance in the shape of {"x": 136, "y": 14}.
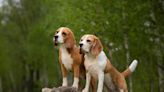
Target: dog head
{"x": 90, "y": 44}
{"x": 64, "y": 36}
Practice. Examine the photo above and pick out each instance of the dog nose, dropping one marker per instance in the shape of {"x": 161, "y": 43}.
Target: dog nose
{"x": 80, "y": 44}
{"x": 56, "y": 36}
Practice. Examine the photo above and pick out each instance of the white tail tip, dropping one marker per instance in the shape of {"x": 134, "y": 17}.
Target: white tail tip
{"x": 133, "y": 65}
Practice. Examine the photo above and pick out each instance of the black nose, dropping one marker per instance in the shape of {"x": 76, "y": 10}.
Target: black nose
{"x": 56, "y": 36}
{"x": 81, "y": 44}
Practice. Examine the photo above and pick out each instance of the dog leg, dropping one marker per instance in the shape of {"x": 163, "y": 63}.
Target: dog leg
{"x": 65, "y": 83}
{"x": 93, "y": 84}
{"x": 76, "y": 82}
{"x": 122, "y": 84}
{"x": 76, "y": 76}
{"x": 121, "y": 90}
{"x": 100, "y": 82}
{"x": 64, "y": 73}
{"x": 88, "y": 79}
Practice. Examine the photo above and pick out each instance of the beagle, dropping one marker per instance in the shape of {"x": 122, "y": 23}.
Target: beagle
{"x": 69, "y": 57}
{"x": 97, "y": 65}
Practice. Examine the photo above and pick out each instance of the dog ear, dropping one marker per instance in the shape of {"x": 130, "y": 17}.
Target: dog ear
{"x": 70, "y": 40}
{"x": 96, "y": 47}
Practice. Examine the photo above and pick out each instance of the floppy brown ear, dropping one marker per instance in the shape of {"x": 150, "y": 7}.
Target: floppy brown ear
{"x": 70, "y": 41}
{"x": 96, "y": 47}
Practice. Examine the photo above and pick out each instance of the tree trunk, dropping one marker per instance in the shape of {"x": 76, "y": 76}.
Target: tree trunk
{"x": 128, "y": 58}
{"x": 1, "y": 89}
{"x": 161, "y": 76}
{"x": 157, "y": 13}
{"x": 13, "y": 88}
{"x": 159, "y": 67}
{"x": 45, "y": 76}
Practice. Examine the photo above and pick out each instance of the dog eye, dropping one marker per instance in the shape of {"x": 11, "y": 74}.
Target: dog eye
{"x": 88, "y": 40}
{"x": 81, "y": 40}
{"x": 64, "y": 34}
{"x": 57, "y": 31}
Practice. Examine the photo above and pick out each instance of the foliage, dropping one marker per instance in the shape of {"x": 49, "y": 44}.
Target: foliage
{"x": 28, "y": 60}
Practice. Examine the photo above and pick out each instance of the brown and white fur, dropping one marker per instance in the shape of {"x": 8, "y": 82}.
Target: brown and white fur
{"x": 69, "y": 57}
{"x": 97, "y": 64}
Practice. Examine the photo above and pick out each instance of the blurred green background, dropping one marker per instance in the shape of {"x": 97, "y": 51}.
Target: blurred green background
{"x": 128, "y": 29}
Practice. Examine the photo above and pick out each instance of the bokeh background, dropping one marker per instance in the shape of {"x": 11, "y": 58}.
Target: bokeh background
{"x": 128, "y": 29}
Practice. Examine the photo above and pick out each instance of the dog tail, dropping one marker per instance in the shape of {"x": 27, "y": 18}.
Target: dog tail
{"x": 130, "y": 69}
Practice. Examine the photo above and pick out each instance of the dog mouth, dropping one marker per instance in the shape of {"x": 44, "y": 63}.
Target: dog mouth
{"x": 55, "y": 42}
{"x": 82, "y": 51}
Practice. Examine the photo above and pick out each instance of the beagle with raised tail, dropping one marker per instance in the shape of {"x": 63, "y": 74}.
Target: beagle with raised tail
{"x": 97, "y": 65}
{"x": 69, "y": 57}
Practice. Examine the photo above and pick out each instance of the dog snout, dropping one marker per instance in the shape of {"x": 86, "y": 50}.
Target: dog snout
{"x": 80, "y": 44}
{"x": 56, "y": 37}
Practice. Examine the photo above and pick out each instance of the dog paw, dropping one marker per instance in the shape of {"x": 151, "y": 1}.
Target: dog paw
{"x": 84, "y": 90}
{"x": 46, "y": 90}
{"x": 64, "y": 85}
{"x": 75, "y": 86}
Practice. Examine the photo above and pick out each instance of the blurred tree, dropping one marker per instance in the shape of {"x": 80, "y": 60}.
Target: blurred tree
{"x": 28, "y": 60}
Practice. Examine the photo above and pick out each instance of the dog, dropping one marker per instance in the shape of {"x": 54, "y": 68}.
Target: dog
{"x": 97, "y": 64}
{"x": 69, "y": 57}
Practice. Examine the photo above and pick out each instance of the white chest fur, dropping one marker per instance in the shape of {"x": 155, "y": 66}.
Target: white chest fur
{"x": 66, "y": 58}
{"x": 94, "y": 65}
